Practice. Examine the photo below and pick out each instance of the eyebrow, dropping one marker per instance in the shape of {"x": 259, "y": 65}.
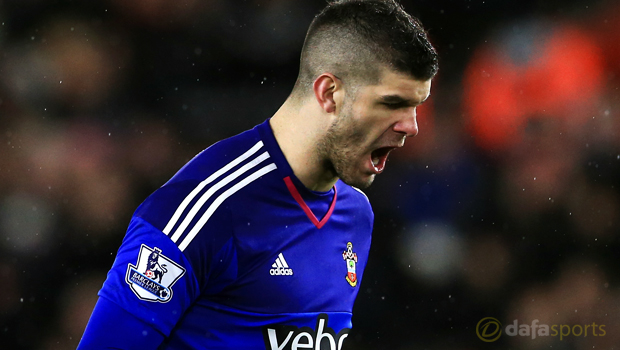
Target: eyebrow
{"x": 400, "y": 99}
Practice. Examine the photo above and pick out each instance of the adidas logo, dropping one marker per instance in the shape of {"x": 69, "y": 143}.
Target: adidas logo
{"x": 280, "y": 267}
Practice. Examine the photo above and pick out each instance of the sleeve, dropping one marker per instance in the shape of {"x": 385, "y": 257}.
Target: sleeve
{"x": 129, "y": 332}
{"x": 155, "y": 279}
{"x": 149, "y": 287}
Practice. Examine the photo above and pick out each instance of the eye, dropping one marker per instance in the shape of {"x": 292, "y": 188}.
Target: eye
{"x": 394, "y": 105}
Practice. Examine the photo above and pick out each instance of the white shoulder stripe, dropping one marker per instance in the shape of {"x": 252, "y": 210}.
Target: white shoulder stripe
{"x": 215, "y": 175}
{"x": 205, "y": 197}
{"x": 217, "y": 202}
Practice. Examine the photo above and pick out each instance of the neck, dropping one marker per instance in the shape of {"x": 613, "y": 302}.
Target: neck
{"x": 298, "y": 127}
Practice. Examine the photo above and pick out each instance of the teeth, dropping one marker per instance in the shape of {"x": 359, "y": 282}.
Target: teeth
{"x": 375, "y": 161}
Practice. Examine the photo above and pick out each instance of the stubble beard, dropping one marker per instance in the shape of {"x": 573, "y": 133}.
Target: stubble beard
{"x": 340, "y": 151}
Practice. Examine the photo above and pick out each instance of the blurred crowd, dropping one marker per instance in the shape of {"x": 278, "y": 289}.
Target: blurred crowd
{"x": 506, "y": 205}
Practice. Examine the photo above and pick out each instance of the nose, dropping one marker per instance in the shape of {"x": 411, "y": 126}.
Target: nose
{"x": 408, "y": 124}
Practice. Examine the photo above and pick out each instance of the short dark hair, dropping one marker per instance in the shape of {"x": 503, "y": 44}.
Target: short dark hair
{"x": 352, "y": 39}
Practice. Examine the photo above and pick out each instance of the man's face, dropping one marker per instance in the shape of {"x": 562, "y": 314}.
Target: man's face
{"x": 370, "y": 125}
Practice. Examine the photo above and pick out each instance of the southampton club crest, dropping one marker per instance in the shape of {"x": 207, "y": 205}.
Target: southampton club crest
{"x": 351, "y": 259}
{"x": 153, "y": 275}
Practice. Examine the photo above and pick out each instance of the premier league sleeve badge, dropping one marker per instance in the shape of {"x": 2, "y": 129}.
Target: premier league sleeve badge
{"x": 153, "y": 276}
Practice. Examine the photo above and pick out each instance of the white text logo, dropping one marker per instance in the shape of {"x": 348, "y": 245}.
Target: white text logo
{"x": 280, "y": 267}
{"x": 279, "y": 337}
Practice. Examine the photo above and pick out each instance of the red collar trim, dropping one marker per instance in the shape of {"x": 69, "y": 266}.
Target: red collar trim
{"x": 291, "y": 188}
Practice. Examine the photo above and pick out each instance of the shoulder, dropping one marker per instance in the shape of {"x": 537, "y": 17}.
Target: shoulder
{"x": 352, "y": 193}
{"x": 192, "y": 200}
{"x": 354, "y": 199}
{"x": 361, "y": 192}
{"x": 221, "y": 156}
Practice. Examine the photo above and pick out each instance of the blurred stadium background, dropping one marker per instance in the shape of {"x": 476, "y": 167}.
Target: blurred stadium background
{"x": 506, "y": 204}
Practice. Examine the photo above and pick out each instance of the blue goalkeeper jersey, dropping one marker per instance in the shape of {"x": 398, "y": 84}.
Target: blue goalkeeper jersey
{"x": 234, "y": 252}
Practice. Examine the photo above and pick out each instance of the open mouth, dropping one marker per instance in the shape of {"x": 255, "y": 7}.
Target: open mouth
{"x": 379, "y": 157}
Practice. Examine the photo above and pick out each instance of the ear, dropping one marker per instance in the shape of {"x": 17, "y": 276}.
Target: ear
{"x": 325, "y": 88}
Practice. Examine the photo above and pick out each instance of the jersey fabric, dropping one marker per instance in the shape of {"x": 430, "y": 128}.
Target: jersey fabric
{"x": 234, "y": 252}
